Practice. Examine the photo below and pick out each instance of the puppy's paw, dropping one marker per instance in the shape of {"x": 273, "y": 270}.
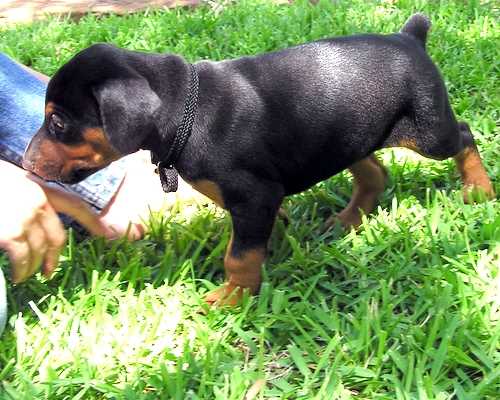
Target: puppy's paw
{"x": 478, "y": 193}
{"x": 348, "y": 219}
{"x": 226, "y": 295}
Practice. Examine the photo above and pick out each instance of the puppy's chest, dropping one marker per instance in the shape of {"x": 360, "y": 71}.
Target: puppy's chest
{"x": 208, "y": 188}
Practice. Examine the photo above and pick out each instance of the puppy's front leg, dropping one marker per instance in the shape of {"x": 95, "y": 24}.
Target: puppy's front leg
{"x": 253, "y": 220}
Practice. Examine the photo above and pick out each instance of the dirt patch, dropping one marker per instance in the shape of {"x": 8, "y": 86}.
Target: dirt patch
{"x": 14, "y": 11}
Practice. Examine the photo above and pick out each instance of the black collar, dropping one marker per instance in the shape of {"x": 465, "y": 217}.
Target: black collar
{"x": 165, "y": 165}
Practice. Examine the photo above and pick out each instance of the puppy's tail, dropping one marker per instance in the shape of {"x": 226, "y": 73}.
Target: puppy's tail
{"x": 417, "y": 26}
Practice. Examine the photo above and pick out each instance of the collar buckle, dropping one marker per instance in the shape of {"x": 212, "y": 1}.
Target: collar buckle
{"x": 169, "y": 177}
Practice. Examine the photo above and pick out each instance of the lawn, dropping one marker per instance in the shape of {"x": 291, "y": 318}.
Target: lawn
{"x": 408, "y": 307}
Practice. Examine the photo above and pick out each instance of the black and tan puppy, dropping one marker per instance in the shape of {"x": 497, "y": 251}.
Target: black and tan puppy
{"x": 264, "y": 127}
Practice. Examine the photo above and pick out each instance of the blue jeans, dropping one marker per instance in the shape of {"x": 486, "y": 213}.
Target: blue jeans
{"x": 3, "y": 303}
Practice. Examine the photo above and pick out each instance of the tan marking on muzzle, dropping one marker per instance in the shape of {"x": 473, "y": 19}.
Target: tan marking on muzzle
{"x": 94, "y": 152}
{"x": 49, "y": 108}
{"x": 56, "y": 160}
{"x": 43, "y": 157}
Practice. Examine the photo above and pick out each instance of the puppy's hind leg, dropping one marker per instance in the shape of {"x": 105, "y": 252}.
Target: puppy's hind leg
{"x": 429, "y": 127}
{"x": 369, "y": 177}
{"x": 477, "y": 184}
{"x": 452, "y": 139}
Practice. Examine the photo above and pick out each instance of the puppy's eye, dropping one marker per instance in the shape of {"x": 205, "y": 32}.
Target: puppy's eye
{"x": 57, "y": 121}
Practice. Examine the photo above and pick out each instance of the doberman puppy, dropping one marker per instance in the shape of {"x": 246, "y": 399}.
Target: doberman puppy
{"x": 262, "y": 128}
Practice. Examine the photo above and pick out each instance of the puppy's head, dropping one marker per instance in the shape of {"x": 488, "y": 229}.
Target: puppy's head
{"x": 98, "y": 109}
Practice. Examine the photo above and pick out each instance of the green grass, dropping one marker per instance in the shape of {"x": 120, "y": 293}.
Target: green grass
{"x": 408, "y": 307}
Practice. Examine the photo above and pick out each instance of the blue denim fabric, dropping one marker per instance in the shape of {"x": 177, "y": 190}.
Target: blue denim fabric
{"x": 3, "y": 303}
{"x": 22, "y": 104}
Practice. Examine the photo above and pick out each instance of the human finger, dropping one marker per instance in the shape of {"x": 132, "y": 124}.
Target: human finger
{"x": 56, "y": 238}
{"x": 37, "y": 241}
{"x": 19, "y": 254}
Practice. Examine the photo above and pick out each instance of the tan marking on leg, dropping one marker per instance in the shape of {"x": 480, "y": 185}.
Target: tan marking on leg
{"x": 209, "y": 189}
{"x": 369, "y": 180}
{"x": 476, "y": 182}
{"x": 242, "y": 273}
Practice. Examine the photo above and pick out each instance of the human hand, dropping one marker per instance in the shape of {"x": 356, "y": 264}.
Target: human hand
{"x": 30, "y": 230}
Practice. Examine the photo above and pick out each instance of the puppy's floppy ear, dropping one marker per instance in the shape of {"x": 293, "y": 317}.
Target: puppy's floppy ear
{"x": 127, "y": 108}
